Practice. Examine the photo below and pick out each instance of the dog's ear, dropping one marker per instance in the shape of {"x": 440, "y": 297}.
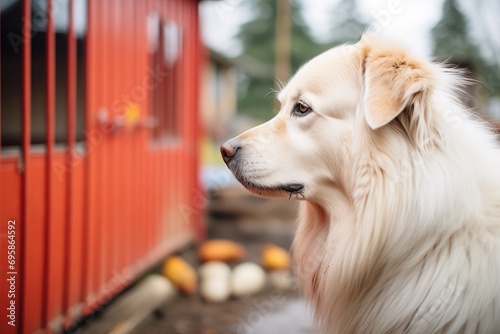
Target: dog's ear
{"x": 392, "y": 82}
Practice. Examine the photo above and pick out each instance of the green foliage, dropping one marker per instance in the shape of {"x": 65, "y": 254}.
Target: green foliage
{"x": 349, "y": 28}
{"x": 258, "y": 37}
{"x": 451, "y": 38}
{"x": 452, "y": 42}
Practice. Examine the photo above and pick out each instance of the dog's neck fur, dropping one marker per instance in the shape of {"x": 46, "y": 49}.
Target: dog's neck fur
{"x": 345, "y": 243}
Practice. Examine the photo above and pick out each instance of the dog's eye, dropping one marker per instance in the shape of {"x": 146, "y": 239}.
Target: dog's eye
{"x": 301, "y": 109}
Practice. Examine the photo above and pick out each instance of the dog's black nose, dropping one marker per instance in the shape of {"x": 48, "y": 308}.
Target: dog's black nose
{"x": 228, "y": 150}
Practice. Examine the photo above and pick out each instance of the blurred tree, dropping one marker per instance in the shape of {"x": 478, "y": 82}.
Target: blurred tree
{"x": 258, "y": 40}
{"x": 483, "y": 20}
{"x": 452, "y": 40}
{"x": 348, "y": 27}
{"x": 451, "y": 37}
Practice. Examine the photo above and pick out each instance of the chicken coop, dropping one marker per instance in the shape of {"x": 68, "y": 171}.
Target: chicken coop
{"x": 99, "y": 134}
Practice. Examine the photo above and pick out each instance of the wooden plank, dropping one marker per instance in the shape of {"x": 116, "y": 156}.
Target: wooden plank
{"x": 132, "y": 307}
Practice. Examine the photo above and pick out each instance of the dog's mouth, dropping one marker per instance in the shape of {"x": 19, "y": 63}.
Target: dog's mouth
{"x": 279, "y": 190}
{"x": 292, "y": 189}
{"x": 254, "y": 185}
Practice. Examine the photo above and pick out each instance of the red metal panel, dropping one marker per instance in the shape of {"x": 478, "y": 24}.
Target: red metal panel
{"x": 110, "y": 143}
{"x": 34, "y": 247}
{"x": 26, "y": 139}
{"x": 145, "y": 185}
{"x": 135, "y": 195}
{"x": 109, "y": 238}
{"x": 92, "y": 138}
{"x": 179, "y": 90}
{"x": 168, "y": 162}
{"x": 128, "y": 158}
{"x": 150, "y": 166}
{"x": 105, "y": 154}
{"x": 120, "y": 50}
{"x": 176, "y": 176}
{"x": 72, "y": 240}
{"x": 185, "y": 118}
{"x": 157, "y": 166}
{"x": 10, "y": 209}
{"x": 120, "y": 209}
{"x": 49, "y": 142}
{"x": 133, "y": 144}
{"x": 186, "y": 125}
{"x": 141, "y": 188}
{"x": 104, "y": 150}
{"x": 198, "y": 59}
{"x": 76, "y": 267}
{"x": 55, "y": 240}
{"x": 120, "y": 54}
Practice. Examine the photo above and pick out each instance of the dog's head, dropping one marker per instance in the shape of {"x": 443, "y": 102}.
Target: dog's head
{"x": 346, "y": 96}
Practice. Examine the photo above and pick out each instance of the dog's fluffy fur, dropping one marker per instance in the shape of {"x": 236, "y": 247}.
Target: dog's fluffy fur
{"x": 399, "y": 229}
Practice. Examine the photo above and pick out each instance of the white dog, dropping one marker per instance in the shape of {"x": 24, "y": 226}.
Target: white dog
{"x": 399, "y": 228}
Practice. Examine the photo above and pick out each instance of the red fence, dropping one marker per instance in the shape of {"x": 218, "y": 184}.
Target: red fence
{"x": 98, "y": 165}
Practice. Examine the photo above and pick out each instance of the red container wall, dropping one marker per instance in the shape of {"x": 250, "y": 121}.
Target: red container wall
{"x": 89, "y": 220}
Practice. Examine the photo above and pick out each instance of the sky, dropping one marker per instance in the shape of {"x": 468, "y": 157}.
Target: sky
{"x": 406, "y": 21}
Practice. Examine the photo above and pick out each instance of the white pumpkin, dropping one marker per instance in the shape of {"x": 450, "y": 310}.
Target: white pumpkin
{"x": 215, "y": 277}
{"x": 247, "y": 279}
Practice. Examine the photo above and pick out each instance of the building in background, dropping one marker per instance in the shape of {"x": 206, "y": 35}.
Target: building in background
{"x": 99, "y": 150}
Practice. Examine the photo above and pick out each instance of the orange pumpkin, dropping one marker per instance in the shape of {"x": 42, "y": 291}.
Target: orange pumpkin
{"x": 181, "y": 274}
{"x": 221, "y": 250}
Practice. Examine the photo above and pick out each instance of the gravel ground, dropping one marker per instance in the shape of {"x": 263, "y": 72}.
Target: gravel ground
{"x": 238, "y": 216}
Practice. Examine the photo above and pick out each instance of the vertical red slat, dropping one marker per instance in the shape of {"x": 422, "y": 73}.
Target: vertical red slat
{"x": 153, "y": 179}
{"x": 180, "y": 107}
{"x": 0, "y": 95}
{"x": 129, "y": 154}
{"x": 165, "y": 171}
{"x": 192, "y": 144}
{"x": 183, "y": 120}
{"x": 111, "y": 143}
{"x": 98, "y": 195}
{"x": 120, "y": 15}
{"x": 133, "y": 157}
{"x": 109, "y": 237}
{"x": 6, "y": 211}
{"x": 70, "y": 151}
{"x": 186, "y": 123}
{"x": 134, "y": 162}
{"x": 116, "y": 168}
{"x": 138, "y": 141}
{"x": 199, "y": 59}
{"x": 104, "y": 148}
{"x": 26, "y": 142}
{"x": 49, "y": 141}
{"x": 100, "y": 167}
{"x": 89, "y": 252}
{"x": 160, "y": 168}
{"x": 146, "y": 164}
